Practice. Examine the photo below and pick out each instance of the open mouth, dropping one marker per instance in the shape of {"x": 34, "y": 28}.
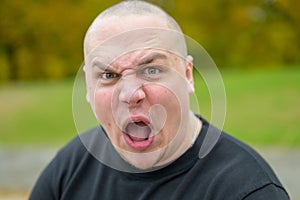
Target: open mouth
{"x": 138, "y": 134}
{"x": 138, "y": 131}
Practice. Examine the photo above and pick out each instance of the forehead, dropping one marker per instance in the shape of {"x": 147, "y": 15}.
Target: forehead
{"x": 133, "y": 46}
{"x": 110, "y": 38}
{"x": 137, "y": 58}
{"x": 141, "y": 57}
{"x": 105, "y": 29}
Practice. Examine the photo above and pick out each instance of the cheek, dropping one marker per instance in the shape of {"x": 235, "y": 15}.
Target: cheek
{"x": 102, "y": 105}
{"x": 163, "y": 96}
{"x": 174, "y": 100}
{"x": 169, "y": 101}
{"x": 157, "y": 94}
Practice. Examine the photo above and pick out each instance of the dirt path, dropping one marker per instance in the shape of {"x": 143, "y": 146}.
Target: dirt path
{"x": 19, "y": 168}
{"x": 286, "y": 164}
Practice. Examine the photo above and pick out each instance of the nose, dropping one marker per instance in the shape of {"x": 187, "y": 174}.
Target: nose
{"x": 131, "y": 91}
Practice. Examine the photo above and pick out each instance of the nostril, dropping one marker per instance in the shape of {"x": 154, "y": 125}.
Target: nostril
{"x": 138, "y": 96}
{"x": 138, "y": 101}
{"x": 131, "y": 95}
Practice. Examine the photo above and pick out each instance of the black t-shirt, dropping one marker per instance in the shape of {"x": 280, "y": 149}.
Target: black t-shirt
{"x": 231, "y": 170}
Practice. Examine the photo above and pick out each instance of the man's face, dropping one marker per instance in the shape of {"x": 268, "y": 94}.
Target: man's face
{"x": 140, "y": 97}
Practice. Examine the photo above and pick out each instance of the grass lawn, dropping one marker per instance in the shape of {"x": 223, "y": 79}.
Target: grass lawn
{"x": 38, "y": 113}
{"x": 262, "y": 108}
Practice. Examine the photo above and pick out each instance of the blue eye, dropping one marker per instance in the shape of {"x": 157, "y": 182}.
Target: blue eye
{"x": 151, "y": 71}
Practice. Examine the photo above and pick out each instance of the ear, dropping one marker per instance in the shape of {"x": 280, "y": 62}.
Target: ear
{"x": 189, "y": 74}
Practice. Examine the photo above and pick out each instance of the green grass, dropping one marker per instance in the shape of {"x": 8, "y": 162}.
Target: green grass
{"x": 262, "y": 108}
{"x": 38, "y": 113}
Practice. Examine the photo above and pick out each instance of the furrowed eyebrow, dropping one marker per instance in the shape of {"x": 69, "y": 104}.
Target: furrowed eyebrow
{"x": 102, "y": 66}
{"x": 149, "y": 59}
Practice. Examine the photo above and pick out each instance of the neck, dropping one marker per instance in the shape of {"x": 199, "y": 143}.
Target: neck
{"x": 197, "y": 128}
{"x": 186, "y": 140}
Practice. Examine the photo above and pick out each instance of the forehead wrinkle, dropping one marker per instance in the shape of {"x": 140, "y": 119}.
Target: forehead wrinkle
{"x": 152, "y": 57}
{"x": 127, "y": 61}
{"x": 100, "y": 65}
{"x": 138, "y": 59}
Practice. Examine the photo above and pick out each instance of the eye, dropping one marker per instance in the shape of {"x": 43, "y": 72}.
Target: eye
{"x": 106, "y": 78}
{"x": 152, "y": 71}
{"x": 109, "y": 75}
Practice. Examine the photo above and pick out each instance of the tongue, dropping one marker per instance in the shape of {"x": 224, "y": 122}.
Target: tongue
{"x": 138, "y": 131}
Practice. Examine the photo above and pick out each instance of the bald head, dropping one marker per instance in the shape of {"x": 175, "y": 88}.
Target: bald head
{"x": 125, "y": 16}
{"x": 141, "y": 8}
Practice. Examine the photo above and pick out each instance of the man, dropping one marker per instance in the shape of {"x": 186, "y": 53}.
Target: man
{"x": 139, "y": 78}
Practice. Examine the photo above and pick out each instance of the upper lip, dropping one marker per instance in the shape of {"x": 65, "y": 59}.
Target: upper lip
{"x": 136, "y": 118}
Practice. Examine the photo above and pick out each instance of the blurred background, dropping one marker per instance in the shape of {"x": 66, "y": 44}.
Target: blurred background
{"x": 254, "y": 43}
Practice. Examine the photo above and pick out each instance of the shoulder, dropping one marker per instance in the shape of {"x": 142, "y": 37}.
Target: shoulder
{"x": 243, "y": 156}
{"x": 61, "y": 170}
{"x": 70, "y": 158}
{"x": 243, "y": 169}
{"x": 76, "y": 147}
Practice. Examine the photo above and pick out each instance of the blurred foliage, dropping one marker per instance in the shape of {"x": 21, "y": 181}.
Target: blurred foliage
{"x": 42, "y": 39}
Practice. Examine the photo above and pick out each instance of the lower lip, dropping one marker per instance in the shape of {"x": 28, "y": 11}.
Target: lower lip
{"x": 139, "y": 145}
